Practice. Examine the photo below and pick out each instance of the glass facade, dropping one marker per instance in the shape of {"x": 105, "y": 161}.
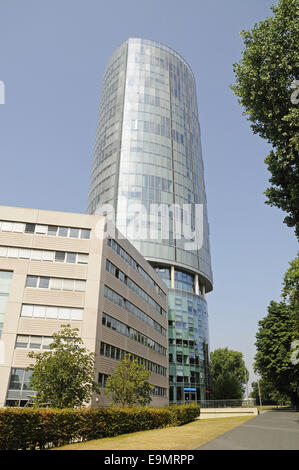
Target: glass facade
{"x": 148, "y": 152}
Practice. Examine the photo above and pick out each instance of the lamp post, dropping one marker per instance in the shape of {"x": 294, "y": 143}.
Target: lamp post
{"x": 258, "y": 385}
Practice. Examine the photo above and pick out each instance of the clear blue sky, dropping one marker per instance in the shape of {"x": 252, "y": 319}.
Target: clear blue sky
{"x": 52, "y": 57}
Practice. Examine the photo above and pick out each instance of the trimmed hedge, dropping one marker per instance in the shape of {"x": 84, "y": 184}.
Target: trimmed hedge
{"x": 28, "y": 428}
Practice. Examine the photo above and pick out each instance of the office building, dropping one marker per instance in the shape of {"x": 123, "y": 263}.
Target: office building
{"x": 57, "y": 268}
{"x": 148, "y": 154}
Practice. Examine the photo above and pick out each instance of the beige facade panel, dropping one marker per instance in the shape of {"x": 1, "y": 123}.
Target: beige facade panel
{"x": 43, "y": 326}
{"x": 22, "y": 240}
{"x": 52, "y": 269}
{"x": 61, "y": 244}
{"x": 55, "y": 298}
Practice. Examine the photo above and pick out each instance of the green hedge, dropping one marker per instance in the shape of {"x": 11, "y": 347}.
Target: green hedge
{"x": 28, "y": 428}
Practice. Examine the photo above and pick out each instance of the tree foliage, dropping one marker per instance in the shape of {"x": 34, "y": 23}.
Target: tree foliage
{"x": 128, "y": 385}
{"x": 290, "y": 293}
{"x": 228, "y": 374}
{"x": 273, "y": 344}
{"x": 265, "y": 78}
{"x": 269, "y": 395}
{"x": 63, "y": 377}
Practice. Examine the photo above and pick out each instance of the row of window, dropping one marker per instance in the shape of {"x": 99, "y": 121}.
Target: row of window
{"x": 157, "y": 392}
{"x": 112, "y": 352}
{"x": 43, "y": 255}
{"x": 120, "y": 251}
{"x": 55, "y": 283}
{"x": 195, "y": 377}
{"x": 33, "y": 342}
{"x": 50, "y": 230}
{"x": 133, "y": 286}
{"x": 187, "y": 360}
{"x": 126, "y": 305}
{"x": 135, "y": 335}
{"x": 49, "y": 312}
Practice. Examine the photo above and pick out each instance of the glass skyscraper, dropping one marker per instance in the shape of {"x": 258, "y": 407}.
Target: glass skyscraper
{"x": 148, "y": 162}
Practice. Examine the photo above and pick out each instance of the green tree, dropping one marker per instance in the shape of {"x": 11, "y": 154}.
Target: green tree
{"x": 63, "y": 377}
{"x": 128, "y": 385}
{"x": 269, "y": 395}
{"x": 265, "y": 78}
{"x": 273, "y": 344}
{"x": 226, "y": 387}
{"x": 290, "y": 293}
{"x": 228, "y": 374}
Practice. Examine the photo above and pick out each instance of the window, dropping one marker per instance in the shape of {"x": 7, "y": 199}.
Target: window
{"x": 56, "y": 284}
{"x": 22, "y": 341}
{"x": 31, "y": 281}
{"x": 35, "y": 342}
{"x": 37, "y": 255}
{"x": 58, "y": 313}
{"x": 12, "y": 252}
{"x": 71, "y": 258}
{"x": 68, "y": 284}
{"x": 29, "y": 228}
{"x": 52, "y": 230}
{"x": 74, "y": 232}
{"x": 85, "y": 233}
{"x": 63, "y": 232}
{"x": 6, "y": 226}
{"x": 41, "y": 229}
{"x": 24, "y": 253}
{"x": 80, "y": 286}
{"x": 44, "y": 282}
{"x": 39, "y": 311}
{"x": 27, "y": 311}
{"x": 82, "y": 258}
{"x": 59, "y": 256}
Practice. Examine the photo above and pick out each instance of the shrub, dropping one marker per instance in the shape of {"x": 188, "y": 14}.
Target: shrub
{"x": 27, "y": 428}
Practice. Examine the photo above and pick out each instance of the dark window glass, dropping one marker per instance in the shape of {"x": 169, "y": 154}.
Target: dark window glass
{"x": 29, "y": 228}
{"x": 44, "y": 282}
{"x": 59, "y": 256}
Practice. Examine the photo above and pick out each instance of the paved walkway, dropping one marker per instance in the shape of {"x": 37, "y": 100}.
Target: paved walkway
{"x": 272, "y": 430}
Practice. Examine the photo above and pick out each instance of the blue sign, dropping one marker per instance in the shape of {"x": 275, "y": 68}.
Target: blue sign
{"x": 189, "y": 389}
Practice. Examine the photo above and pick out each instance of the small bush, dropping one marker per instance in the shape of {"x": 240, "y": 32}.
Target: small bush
{"x": 27, "y": 428}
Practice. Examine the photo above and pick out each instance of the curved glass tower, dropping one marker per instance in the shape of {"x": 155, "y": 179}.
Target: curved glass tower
{"x": 148, "y": 162}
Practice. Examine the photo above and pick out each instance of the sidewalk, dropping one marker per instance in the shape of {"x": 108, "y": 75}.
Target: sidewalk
{"x": 272, "y": 430}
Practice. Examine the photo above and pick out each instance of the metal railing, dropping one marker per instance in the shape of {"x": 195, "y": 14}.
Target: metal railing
{"x": 246, "y": 403}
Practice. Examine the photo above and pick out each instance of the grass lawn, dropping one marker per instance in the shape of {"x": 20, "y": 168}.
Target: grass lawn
{"x": 185, "y": 437}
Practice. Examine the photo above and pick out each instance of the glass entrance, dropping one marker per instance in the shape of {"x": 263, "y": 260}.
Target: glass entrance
{"x": 189, "y": 396}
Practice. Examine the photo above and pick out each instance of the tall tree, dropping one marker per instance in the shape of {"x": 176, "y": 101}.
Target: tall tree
{"x": 290, "y": 293}
{"x": 228, "y": 374}
{"x": 265, "y": 80}
{"x": 63, "y": 377}
{"x": 273, "y": 344}
{"x": 128, "y": 385}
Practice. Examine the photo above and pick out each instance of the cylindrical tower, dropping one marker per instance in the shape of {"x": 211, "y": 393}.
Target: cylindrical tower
{"x": 148, "y": 154}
